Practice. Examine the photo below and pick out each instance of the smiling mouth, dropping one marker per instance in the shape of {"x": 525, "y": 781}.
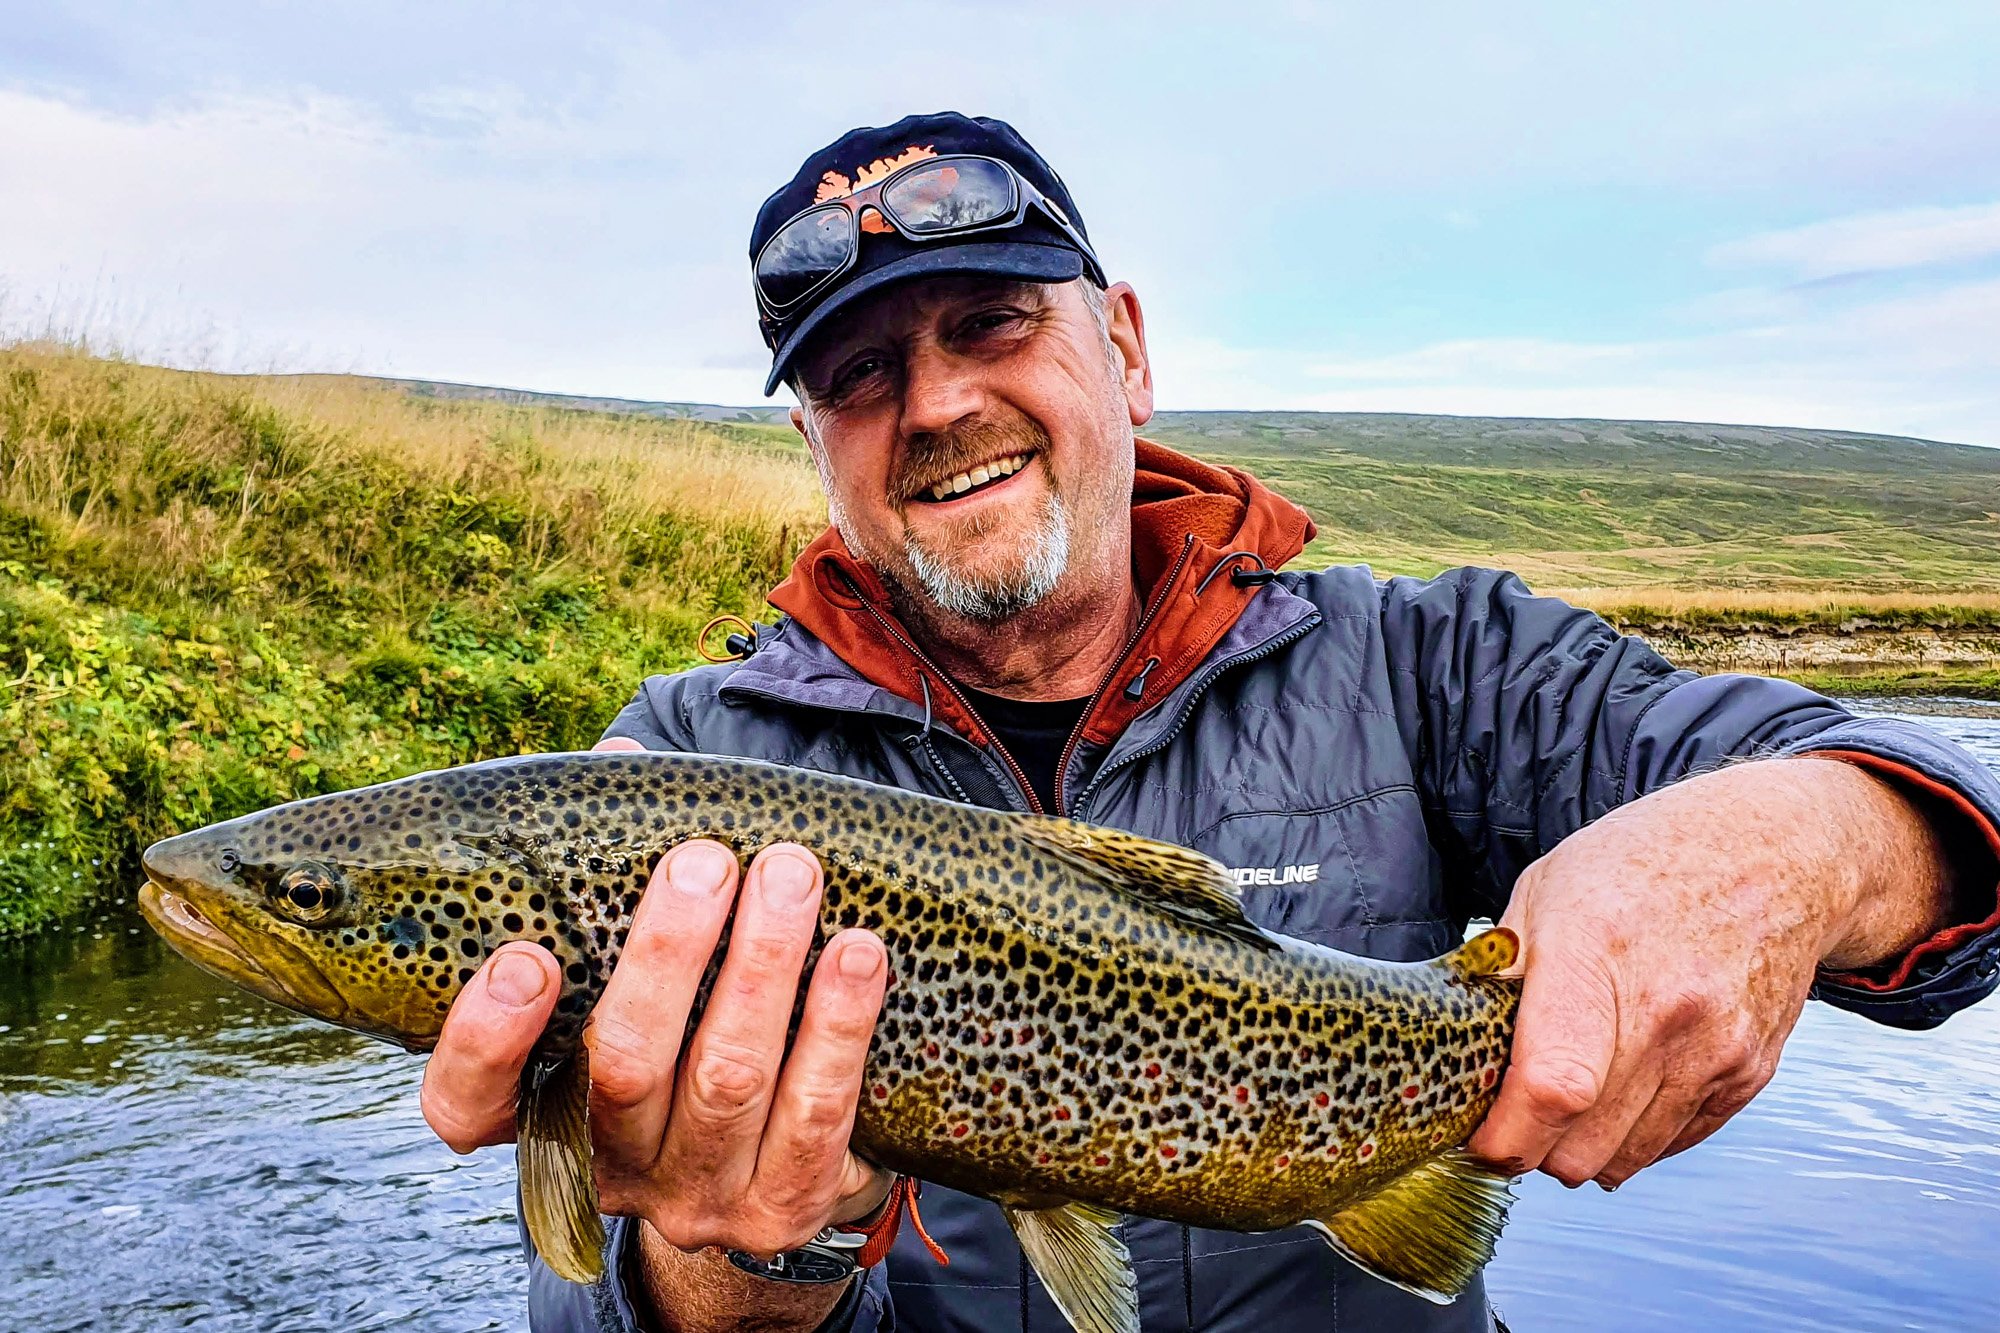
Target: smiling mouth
{"x": 984, "y": 477}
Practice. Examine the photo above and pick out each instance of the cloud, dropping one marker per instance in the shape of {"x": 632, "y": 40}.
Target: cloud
{"x": 1871, "y": 242}
{"x": 1911, "y": 364}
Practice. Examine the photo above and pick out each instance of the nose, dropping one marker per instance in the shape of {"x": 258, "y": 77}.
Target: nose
{"x": 169, "y": 861}
{"x": 939, "y": 391}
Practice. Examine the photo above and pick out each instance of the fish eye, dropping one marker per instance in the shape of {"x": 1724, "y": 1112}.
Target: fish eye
{"x": 307, "y": 894}
{"x": 229, "y": 860}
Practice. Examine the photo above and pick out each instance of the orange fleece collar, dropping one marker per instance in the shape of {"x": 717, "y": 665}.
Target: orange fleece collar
{"x": 1187, "y": 518}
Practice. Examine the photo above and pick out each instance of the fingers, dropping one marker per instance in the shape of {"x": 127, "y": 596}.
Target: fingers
{"x": 635, "y": 1032}
{"x": 1632, "y": 1091}
{"x": 473, "y": 1076}
{"x": 802, "y": 1164}
{"x": 723, "y": 1095}
{"x": 1565, "y": 1038}
{"x": 616, "y": 743}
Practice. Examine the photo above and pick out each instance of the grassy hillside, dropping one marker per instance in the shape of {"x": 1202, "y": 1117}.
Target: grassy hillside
{"x": 1633, "y": 513}
{"x": 216, "y": 594}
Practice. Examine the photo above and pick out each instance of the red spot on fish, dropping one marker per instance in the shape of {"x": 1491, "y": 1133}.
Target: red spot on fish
{"x": 1333, "y": 1150}
{"x": 1410, "y": 1093}
{"x": 1243, "y": 1094}
{"x": 1167, "y": 1150}
{"x": 931, "y": 1051}
{"x": 1027, "y": 1036}
{"x": 1284, "y": 1160}
{"x": 1152, "y": 1071}
{"x": 1102, "y": 1160}
{"x": 1437, "y": 1138}
{"x": 986, "y": 1039}
{"x": 1062, "y": 1113}
{"x": 998, "y": 1087}
{"x": 881, "y": 1092}
{"x": 1322, "y": 1100}
{"x": 1367, "y": 1151}
{"x": 958, "y": 1131}
{"x": 1486, "y": 1078}
{"x": 1042, "y": 1158}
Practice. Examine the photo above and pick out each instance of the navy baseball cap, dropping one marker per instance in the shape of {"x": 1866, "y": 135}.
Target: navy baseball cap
{"x": 1036, "y": 250}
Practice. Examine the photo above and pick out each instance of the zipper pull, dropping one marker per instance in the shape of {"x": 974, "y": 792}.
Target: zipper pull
{"x": 1137, "y": 688}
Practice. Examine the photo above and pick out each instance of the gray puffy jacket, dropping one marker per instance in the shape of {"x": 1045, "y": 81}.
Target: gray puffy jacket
{"x": 1378, "y": 760}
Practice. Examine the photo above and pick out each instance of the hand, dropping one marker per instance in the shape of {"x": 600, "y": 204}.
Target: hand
{"x": 739, "y": 1146}
{"x": 1669, "y": 950}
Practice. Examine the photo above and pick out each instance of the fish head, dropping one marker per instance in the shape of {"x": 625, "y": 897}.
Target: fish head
{"x": 351, "y": 908}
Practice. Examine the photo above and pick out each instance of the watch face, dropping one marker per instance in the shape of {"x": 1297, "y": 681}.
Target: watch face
{"x": 810, "y": 1263}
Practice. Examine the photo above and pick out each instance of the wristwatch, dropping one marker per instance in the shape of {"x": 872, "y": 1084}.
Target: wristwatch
{"x": 828, "y": 1257}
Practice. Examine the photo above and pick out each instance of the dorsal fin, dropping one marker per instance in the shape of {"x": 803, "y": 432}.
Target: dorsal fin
{"x": 1487, "y": 954}
{"x": 1184, "y": 883}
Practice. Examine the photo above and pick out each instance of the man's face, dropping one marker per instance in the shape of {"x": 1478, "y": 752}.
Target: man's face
{"x": 975, "y": 438}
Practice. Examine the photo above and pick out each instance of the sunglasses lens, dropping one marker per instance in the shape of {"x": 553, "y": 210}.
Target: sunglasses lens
{"x": 803, "y": 253}
{"x": 953, "y": 195}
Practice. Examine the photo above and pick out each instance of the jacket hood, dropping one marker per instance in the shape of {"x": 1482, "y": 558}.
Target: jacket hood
{"x": 1188, "y": 519}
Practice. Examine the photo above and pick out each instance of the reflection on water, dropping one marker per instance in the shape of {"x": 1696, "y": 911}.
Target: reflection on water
{"x": 178, "y": 1154}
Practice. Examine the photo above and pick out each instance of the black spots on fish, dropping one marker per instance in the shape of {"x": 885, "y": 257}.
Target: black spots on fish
{"x": 1106, "y": 984}
{"x": 512, "y": 923}
{"x": 482, "y": 893}
{"x": 410, "y": 840}
{"x": 439, "y": 954}
{"x": 465, "y": 974}
{"x": 454, "y": 909}
{"x": 577, "y": 973}
{"x": 469, "y": 947}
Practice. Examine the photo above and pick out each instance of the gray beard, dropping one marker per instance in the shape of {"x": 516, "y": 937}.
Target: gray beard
{"x": 1044, "y": 559}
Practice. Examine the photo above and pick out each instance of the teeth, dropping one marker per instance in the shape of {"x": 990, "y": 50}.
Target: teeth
{"x": 979, "y": 476}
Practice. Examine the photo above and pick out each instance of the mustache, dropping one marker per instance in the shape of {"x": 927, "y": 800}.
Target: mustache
{"x": 930, "y": 458}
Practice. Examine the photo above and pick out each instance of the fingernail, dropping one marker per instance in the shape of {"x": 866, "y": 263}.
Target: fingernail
{"x": 858, "y": 962}
{"x": 700, "y": 869}
{"x": 515, "y": 981}
{"x": 787, "y": 879}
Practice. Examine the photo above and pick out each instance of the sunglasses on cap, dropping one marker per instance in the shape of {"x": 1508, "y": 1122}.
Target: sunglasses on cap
{"x": 935, "y": 199}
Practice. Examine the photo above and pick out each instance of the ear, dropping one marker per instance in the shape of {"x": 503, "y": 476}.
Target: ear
{"x": 799, "y": 423}
{"x": 1126, "y": 323}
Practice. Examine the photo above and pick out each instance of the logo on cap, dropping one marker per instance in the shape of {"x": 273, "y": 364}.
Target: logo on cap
{"x": 833, "y": 185}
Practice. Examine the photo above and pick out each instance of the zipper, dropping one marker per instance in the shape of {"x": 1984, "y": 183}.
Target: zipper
{"x": 1138, "y": 632}
{"x": 1194, "y": 693}
{"x": 1020, "y": 777}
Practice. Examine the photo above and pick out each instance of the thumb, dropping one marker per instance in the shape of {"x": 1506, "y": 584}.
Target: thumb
{"x": 1565, "y": 1035}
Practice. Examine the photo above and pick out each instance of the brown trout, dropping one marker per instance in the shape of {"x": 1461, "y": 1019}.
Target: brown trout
{"x": 1079, "y": 1023}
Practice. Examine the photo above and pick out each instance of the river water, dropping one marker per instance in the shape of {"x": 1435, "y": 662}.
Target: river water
{"x": 177, "y": 1154}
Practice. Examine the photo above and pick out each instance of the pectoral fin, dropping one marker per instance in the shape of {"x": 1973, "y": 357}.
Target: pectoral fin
{"x": 1083, "y": 1263}
{"x": 558, "y": 1195}
{"x": 1429, "y": 1231}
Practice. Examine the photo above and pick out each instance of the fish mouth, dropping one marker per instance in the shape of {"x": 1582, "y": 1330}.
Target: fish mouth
{"x": 208, "y": 946}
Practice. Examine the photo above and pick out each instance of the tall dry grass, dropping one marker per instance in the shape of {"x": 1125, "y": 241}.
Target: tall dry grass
{"x": 1829, "y": 608}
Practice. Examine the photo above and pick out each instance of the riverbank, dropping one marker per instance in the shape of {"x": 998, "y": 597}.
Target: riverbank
{"x": 219, "y": 594}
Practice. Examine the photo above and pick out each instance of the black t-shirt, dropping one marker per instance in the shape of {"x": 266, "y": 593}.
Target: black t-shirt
{"x": 1034, "y": 731}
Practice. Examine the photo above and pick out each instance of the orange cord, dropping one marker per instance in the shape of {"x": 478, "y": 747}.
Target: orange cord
{"x": 882, "y": 1235}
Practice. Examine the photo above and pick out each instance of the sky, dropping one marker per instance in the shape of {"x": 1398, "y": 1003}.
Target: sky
{"x": 1751, "y": 211}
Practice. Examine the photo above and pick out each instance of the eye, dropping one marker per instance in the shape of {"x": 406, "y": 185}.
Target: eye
{"x": 307, "y": 894}
{"x": 855, "y": 374}
{"x": 229, "y": 860}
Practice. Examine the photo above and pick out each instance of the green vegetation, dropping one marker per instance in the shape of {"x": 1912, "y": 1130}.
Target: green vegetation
{"x": 220, "y": 594}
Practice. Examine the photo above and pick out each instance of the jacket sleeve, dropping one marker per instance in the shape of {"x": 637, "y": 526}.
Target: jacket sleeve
{"x": 1528, "y": 718}
{"x": 606, "y": 1306}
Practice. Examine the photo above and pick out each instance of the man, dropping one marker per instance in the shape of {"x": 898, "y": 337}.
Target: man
{"x": 1021, "y": 606}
